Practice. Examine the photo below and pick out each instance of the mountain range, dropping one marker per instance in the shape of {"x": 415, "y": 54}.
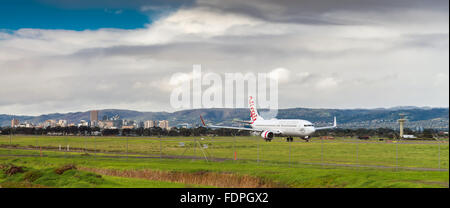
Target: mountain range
{"x": 418, "y": 117}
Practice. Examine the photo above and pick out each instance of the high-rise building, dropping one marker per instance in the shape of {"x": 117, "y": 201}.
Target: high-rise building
{"x": 94, "y": 115}
{"x": 50, "y": 123}
{"x": 94, "y": 123}
{"x": 62, "y": 123}
{"x": 164, "y": 124}
{"x": 14, "y": 122}
{"x": 149, "y": 124}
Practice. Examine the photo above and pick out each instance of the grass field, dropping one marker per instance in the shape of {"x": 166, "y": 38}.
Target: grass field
{"x": 258, "y": 164}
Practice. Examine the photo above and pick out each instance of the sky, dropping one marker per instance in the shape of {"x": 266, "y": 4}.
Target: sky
{"x": 66, "y": 55}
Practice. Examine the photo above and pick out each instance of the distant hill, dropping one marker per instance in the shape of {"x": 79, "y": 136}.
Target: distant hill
{"x": 425, "y": 117}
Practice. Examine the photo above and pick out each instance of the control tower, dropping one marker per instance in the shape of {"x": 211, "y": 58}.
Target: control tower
{"x": 402, "y": 122}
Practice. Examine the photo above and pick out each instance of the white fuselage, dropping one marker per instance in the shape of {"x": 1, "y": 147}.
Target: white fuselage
{"x": 285, "y": 127}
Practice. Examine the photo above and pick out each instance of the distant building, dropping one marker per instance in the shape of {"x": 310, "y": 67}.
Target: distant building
{"x": 115, "y": 118}
{"x": 94, "y": 115}
{"x": 149, "y": 124}
{"x": 183, "y": 125}
{"x": 50, "y": 123}
{"x": 29, "y": 125}
{"x": 106, "y": 124}
{"x": 128, "y": 127}
{"x": 83, "y": 123}
{"x": 405, "y": 136}
{"x": 14, "y": 122}
{"x": 62, "y": 123}
{"x": 164, "y": 124}
{"x": 94, "y": 123}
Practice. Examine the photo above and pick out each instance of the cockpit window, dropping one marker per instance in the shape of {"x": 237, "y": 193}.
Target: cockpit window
{"x": 308, "y": 125}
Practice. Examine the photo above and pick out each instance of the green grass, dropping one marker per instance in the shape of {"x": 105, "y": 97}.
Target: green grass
{"x": 340, "y": 151}
{"x": 282, "y": 174}
{"x": 39, "y": 176}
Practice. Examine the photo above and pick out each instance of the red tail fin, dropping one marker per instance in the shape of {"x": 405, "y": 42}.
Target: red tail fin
{"x": 253, "y": 112}
{"x": 203, "y": 122}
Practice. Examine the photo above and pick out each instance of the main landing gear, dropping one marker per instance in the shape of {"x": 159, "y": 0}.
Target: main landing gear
{"x": 289, "y": 139}
{"x": 306, "y": 138}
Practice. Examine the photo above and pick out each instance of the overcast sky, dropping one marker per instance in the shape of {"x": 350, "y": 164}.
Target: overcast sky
{"x": 62, "y": 56}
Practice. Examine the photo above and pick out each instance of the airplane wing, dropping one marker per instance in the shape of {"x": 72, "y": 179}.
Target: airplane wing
{"x": 231, "y": 127}
{"x": 239, "y": 121}
{"x": 245, "y": 129}
{"x": 328, "y": 127}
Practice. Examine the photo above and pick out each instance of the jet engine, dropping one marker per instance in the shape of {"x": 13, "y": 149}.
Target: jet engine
{"x": 267, "y": 135}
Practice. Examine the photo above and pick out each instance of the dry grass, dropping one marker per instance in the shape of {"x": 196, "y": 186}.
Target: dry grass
{"x": 64, "y": 168}
{"x": 13, "y": 170}
{"x": 224, "y": 180}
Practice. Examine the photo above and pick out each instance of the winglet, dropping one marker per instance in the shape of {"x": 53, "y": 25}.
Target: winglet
{"x": 328, "y": 127}
{"x": 203, "y": 122}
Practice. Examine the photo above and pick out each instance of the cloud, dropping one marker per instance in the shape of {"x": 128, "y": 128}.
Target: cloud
{"x": 179, "y": 78}
{"x": 318, "y": 12}
{"x": 327, "y": 83}
{"x": 280, "y": 74}
{"x": 324, "y": 55}
{"x": 303, "y": 75}
{"x": 442, "y": 80}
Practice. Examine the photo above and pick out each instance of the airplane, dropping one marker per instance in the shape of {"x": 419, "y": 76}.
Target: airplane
{"x": 288, "y": 128}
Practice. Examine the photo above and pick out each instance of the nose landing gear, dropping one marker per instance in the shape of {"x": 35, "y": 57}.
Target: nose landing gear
{"x": 289, "y": 139}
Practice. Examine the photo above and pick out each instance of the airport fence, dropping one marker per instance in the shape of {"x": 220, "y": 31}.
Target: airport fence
{"x": 376, "y": 153}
